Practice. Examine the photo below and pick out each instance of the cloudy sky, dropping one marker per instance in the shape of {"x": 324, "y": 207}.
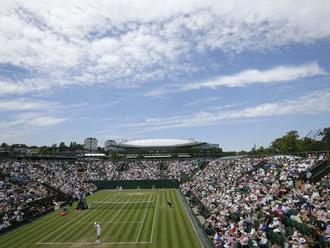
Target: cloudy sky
{"x": 231, "y": 72}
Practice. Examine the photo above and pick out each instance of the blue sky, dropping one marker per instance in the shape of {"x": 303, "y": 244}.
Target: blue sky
{"x": 233, "y": 72}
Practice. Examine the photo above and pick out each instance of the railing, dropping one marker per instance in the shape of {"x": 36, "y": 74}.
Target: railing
{"x": 322, "y": 170}
{"x": 196, "y": 223}
{"x": 317, "y": 171}
{"x": 204, "y": 211}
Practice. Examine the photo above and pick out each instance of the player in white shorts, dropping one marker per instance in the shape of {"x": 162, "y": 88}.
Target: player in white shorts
{"x": 98, "y": 232}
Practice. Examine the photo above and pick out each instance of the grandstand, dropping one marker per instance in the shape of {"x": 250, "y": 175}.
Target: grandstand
{"x": 276, "y": 200}
{"x": 163, "y": 148}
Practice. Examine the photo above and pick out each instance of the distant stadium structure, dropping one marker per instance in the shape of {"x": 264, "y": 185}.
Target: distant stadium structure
{"x": 162, "y": 148}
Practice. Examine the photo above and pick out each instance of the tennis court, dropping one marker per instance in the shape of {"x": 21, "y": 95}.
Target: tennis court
{"x": 129, "y": 218}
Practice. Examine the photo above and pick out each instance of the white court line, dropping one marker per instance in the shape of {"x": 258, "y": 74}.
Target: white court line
{"x": 115, "y": 222}
{"x": 93, "y": 243}
{"x": 144, "y": 218}
{"x": 86, "y": 243}
{"x": 59, "y": 228}
{"x": 118, "y": 213}
{"x": 71, "y": 227}
{"x": 121, "y": 202}
{"x": 153, "y": 223}
{"x": 66, "y": 225}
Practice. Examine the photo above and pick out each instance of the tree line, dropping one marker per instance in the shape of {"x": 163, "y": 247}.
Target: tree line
{"x": 291, "y": 142}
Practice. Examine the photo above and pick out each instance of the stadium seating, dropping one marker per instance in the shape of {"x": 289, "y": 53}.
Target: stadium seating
{"x": 263, "y": 203}
{"x": 256, "y": 202}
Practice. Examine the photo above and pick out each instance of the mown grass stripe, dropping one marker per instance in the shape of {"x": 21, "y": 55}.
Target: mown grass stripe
{"x": 70, "y": 233}
{"x": 144, "y": 218}
{"x": 164, "y": 227}
{"x": 118, "y": 234}
{"x": 188, "y": 222}
{"x": 52, "y": 219}
{"x": 161, "y": 240}
{"x": 154, "y": 219}
{"x": 92, "y": 215}
{"x": 131, "y": 231}
{"x": 102, "y": 213}
{"x": 171, "y": 233}
{"x": 147, "y": 225}
{"x": 98, "y": 214}
{"x": 177, "y": 221}
{"x": 110, "y": 215}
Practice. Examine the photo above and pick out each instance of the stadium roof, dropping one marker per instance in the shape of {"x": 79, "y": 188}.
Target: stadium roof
{"x": 94, "y": 155}
{"x": 158, "y": 142}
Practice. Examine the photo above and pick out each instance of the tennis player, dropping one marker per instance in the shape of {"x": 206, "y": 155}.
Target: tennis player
{"x": 98, "y": 232}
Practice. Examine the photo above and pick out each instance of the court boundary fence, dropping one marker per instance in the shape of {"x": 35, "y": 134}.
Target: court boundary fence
{"x": 137, "y": 184}
{"x": 203, "y": 237}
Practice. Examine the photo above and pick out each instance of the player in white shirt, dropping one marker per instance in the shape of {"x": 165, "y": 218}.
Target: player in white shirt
{"x": 98, "y": 232}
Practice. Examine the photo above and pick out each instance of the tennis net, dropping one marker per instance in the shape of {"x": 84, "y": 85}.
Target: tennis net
{"x": 120, "y": 204}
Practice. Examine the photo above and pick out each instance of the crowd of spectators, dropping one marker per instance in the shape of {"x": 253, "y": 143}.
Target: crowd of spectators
{"x": 253, "y": 202}
{"x": 158, "y": 169}
{"x": 23, "y": 183}
{"x": 29, "y": 189}
{"x": 263, "y": 202}
{"x": 182, "y": 168}
{"x": 140, "y": 170}
{"x": 18, "y": 193}
{"x": 100, "y": 170}
{"x": 59, "y": 174}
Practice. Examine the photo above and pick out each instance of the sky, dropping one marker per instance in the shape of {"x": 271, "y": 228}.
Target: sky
{"x": 235, "y": 73}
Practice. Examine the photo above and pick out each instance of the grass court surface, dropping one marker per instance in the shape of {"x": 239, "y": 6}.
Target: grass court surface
{"x": 147, "y": 223}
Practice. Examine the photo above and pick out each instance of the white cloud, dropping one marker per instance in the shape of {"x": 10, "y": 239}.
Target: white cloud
{"x": 45, "y": 121}
{"x": 19, "y": 88}
{"x": 26, "y": 124}
{"x": 251, "y": 76}
{"x": 31, "y": 120}
{"x": 273, "y": 75}
{"x": 128, "y": 43}
{"x": 204, "y": 101}
{"x": 313, "y": 103}
{"x": 24, "y": 105}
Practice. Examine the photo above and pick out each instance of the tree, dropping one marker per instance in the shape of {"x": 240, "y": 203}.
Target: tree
{"x": 73, "y": 146}
{"x": 260, "y": 151}
{"x": 80, "y": 146}
{"x": 45, "y": 150}
{"x": 54, "y": 148}
{"x": 287, "y": 143}
{"x": 114, "y": 156}
{"x": 326, "y": 138}
{"x": 308, "y": 144}
{"x": 62, "y": 146}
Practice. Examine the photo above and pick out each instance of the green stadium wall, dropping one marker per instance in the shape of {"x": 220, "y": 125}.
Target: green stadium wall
{"x": 134, "y": 184}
